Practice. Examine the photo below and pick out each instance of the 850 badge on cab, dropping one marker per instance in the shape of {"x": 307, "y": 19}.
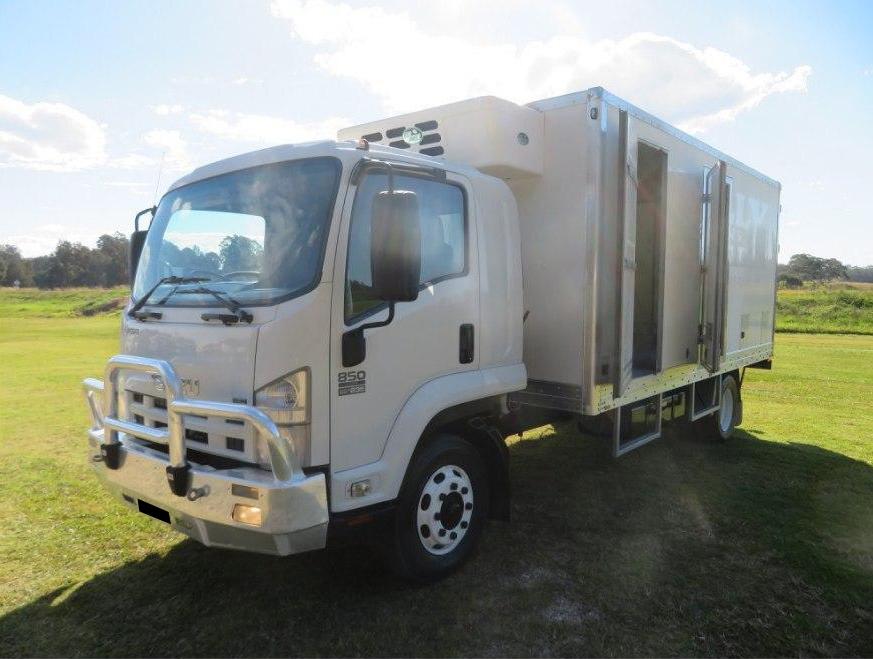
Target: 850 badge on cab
{"x": 351, "y": 382}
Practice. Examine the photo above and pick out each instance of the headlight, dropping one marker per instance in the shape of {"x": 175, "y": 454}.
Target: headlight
{"x": 286, "y": 402}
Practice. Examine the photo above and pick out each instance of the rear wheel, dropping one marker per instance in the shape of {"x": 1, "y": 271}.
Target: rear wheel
{"x": 721, "y": 424}
{"x": 441, "y": 510}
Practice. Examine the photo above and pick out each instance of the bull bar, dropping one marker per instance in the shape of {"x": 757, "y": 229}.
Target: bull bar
{"x": 199, "y": 500}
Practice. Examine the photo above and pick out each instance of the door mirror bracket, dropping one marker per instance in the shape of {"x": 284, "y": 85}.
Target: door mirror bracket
{"x": 354, "y": 343}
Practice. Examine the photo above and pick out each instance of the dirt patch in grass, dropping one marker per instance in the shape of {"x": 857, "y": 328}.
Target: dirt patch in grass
{"x": 95, "y": 308}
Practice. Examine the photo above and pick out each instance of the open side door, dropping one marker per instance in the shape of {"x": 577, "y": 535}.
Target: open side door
{"x": 626, "y": 265}
{"x": 713, "y": 267}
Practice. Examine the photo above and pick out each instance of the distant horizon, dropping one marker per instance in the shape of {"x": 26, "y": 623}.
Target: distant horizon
{"x": 780, "y": 262}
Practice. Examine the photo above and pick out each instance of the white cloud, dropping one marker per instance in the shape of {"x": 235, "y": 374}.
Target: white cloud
{"x": 264, "y": 130}
{"x": 43, "y": 239}
{"x": 49, "y": 136}
{"x": 133, "y": 161}
{"x": 409, "y": 68}
{"x": 165, "y": 109}
{"x": 132, "y": 186}
{"x": 172, "y": 145}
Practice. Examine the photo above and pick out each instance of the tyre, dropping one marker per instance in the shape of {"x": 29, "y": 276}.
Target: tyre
{"x": 441, "y": 510}
{"x": 720, "y": 425}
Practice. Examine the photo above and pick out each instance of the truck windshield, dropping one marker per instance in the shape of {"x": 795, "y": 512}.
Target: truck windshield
{"x": 257, "y": 234}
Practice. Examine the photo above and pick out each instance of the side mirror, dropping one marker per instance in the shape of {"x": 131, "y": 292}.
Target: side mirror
{"x": 395, "y": 246}
{"x": 137, "y": 241}
{"x": 395, "y": 262}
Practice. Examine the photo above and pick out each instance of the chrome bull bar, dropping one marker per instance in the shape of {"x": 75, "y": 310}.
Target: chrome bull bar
{"x": 107, "y": 424}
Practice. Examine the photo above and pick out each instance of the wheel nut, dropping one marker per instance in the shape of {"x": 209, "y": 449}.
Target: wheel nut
{"x": 453, "y": 535}
{"x": 442, "y": 532}
{"x": 464, "y": 490}
{"x": 468, "y": 506}
{"x": 464, "y": 525}
{"x": 442, "y": 497}
{"x": 454, "y": 486}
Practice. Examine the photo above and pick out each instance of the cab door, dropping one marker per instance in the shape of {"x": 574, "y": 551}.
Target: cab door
{"x": 435, "y": 335}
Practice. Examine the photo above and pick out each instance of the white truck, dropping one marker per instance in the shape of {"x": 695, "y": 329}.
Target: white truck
{"x": 340, "y": 335}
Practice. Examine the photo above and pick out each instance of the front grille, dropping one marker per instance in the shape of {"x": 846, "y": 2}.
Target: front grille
{"x": 200, "y": 458}
{"x": 196, "y": 436}
{"x": 232, "y": 438}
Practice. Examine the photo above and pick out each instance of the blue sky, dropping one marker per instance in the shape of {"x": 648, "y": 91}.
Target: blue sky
{"x": 97, "y": 97}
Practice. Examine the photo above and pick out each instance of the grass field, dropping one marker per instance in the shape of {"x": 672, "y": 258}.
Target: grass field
{"x": 834, "y": 309}
{"x": 63, "y": 303}
{"x": 762, "y": 545}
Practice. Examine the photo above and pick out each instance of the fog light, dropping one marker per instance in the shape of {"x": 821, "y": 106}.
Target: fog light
{"x": 361, "y": 488}
{"x": 247, "y": 514}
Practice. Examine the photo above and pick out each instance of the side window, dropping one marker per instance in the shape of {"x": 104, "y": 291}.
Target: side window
{"x": 443, "y": 236}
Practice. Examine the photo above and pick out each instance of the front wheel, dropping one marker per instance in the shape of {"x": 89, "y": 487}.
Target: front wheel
{"x": 441, "y": 510}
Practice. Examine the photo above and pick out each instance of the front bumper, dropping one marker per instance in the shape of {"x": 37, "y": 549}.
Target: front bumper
{"x": 198, "y": 500}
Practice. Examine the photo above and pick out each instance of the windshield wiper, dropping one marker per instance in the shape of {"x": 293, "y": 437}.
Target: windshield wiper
{"x": 134, "y": 310}
{"x": 238, "y": 313}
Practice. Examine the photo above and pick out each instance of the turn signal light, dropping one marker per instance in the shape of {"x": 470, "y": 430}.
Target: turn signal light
{"x": 247, "y": 514}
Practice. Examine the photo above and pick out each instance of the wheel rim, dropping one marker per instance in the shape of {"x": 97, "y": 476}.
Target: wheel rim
{"x": 726, "y": 414}
{"x": 445, "y": 509}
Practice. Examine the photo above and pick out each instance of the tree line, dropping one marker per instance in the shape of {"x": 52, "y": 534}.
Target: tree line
{"x": 808, "y": 268}
{"x": 106, "y": 265}
{"x": 71, "y": 264}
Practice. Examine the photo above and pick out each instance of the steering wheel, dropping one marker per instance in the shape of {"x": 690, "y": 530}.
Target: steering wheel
{"x": 254, "y": 274}
{"x": 210, "y": 274}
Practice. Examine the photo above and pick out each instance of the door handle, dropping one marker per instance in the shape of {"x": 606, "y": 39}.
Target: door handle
{"x": 466, "y": 350}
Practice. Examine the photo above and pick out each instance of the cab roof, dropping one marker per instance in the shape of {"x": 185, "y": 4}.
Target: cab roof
{"x": 347, "y": 151}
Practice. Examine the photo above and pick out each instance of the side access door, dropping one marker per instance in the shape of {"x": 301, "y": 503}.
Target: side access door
{"x": 627, "y": 247}
{"x": 435, "y": 335}
{"x": 713, "y": 266}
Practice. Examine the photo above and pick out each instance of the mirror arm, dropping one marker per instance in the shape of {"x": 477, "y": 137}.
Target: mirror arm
{"x": 380, "y": 323}
{"x": 354, "y": 346}
{"x": 151, "y": 210}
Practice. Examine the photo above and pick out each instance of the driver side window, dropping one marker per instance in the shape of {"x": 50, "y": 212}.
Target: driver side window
{"x": 443, "y": 237}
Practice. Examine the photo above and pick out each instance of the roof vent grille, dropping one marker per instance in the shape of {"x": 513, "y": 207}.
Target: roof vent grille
{"x": 423, "y": 138}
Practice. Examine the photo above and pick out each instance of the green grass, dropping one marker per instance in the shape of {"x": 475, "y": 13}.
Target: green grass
{"x": 847, "y": 308}
{"x": 61, "y": 303}
{"x": 762, "y": 545}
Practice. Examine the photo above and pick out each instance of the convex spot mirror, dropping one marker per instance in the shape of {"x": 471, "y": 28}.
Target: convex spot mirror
{"x": 137, "y": 241}
{"x": 395, "y": 246}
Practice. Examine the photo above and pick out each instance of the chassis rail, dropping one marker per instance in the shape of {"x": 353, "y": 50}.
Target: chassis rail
{"x": 108, "y": 413}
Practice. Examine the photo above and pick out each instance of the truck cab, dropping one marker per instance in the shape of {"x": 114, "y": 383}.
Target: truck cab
{"x": 281, "y": 365}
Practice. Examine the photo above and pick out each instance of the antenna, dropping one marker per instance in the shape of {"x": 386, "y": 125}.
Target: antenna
{"x": 158, "y": 182}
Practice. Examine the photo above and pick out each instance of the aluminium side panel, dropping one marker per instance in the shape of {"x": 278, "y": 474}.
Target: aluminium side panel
{"x": 753, "y": 212}
{"x": 569, "y": 227}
